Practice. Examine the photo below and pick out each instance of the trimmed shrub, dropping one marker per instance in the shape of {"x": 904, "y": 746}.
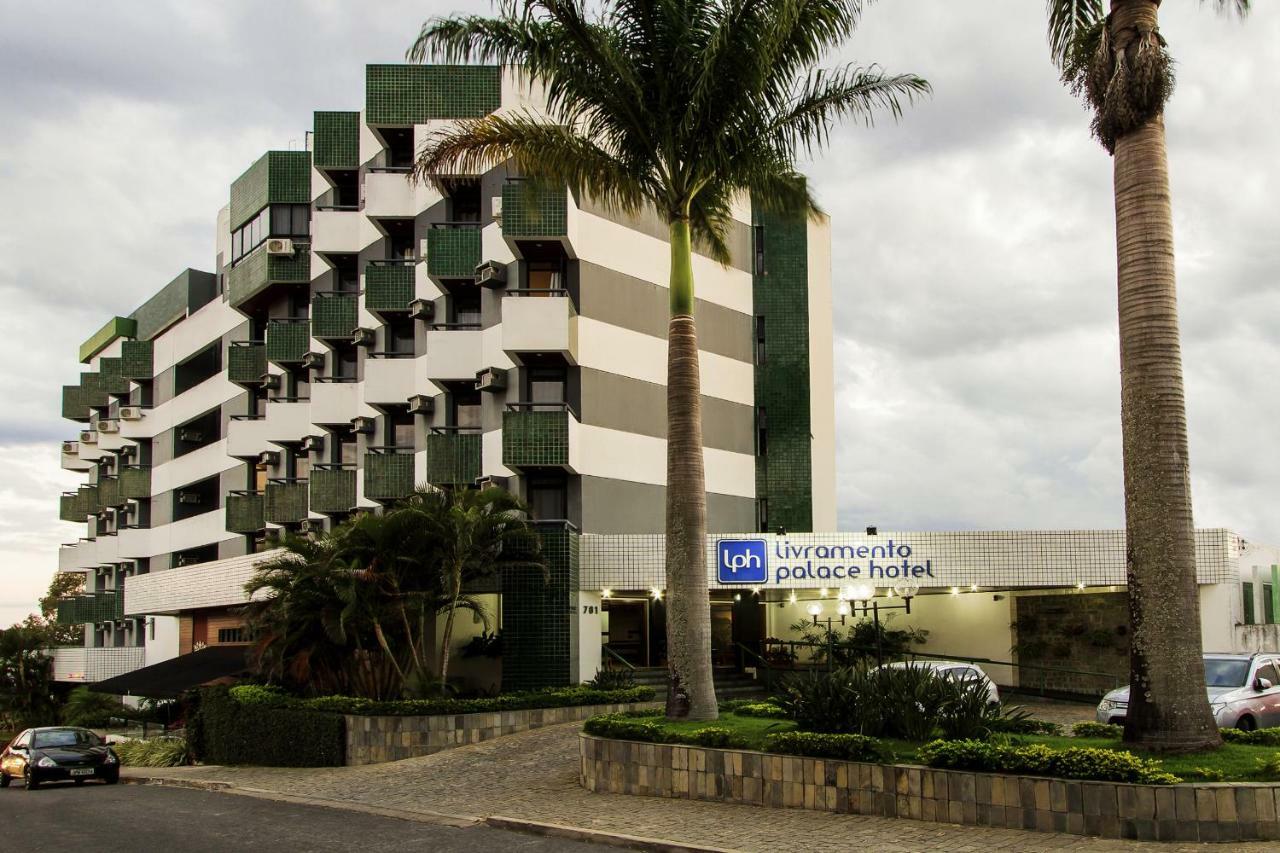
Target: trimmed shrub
{"x": 1258, "y": 737}
{"x": 1024, "y": 726}
{"x": 716, "y": 737}
{"x": 1099, "y": 765}
{"x": 817, "y": 745}
{"x": 1098, "y": 730}
{"x": 613, "y": 679}
{"x": 768, "y": 710}
{"x": 157, "y": 752}
{"x": 230, "y": 732}
{"x": 565, "y": 697}
{"x": 620, "y": 727}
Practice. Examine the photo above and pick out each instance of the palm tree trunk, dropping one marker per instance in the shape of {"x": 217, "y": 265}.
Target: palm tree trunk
{"x": 1168, "y": 708}
{"x": 448, "y": 627}
{"x": 690, "y": 689}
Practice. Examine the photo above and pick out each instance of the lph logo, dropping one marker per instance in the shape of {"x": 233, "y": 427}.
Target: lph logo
{"x": 742, "y": 561}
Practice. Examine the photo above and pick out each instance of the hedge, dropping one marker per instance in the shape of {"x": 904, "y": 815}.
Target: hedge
{"x": 1098, "y": 765}
{"x": 1258, "y": 737}
{"x": 767, "y": 710}
{"x": 225, "y": 731}
{"x": 565, "y": 697}
{"x": 620, "y": 727}
{"x": 846, "y": 747}
{"x": 1110, "y": 731}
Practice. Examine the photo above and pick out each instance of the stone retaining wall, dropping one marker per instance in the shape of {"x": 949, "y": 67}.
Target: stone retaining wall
{"x": 1207, "y": 812}
{"x": 374, "y": 740}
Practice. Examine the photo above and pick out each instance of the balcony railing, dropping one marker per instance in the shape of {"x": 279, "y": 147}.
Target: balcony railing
{"x": 453, "y": 456}
{"x": 535, "y": 435}
{"x": 109, "y": 492}
{"x": 388, "y": 285}
{"x": 257, "y": 271}
{"x": 285, "y": 500}
{"x": 288, "y": 340}
{"x": 70, "y": 507}
{"x": 453, "y": 249}
{"x": 334, "y": 314}
{"x": 333, "y": 488}
{"x": 74, "y": 405}
{"x": 137, "y": 359}
{"x": 95, "y": 607}
{"x": 531, "y": 210}
{"x": 111, "y": 371}
{"x": 245, "y": 511}
{"x": 135, "y": 482}
{"x": 247, "y": 362}
{"x": 388, "y": 473}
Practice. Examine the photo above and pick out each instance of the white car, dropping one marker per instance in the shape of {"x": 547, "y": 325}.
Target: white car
{"x": 956, "y": 670}
{"x": 1244, "y": 692}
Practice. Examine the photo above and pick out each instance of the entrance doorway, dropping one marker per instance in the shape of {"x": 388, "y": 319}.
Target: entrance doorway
{"x": 634, "y": 628}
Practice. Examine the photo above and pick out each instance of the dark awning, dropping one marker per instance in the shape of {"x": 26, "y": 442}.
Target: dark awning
{"x": 171, "y": 678}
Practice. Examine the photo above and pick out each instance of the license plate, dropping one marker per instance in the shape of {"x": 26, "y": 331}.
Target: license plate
{"x": 82, "y": 771}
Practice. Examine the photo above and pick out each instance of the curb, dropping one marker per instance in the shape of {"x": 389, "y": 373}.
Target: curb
{"x": 611, "y": 839}
{"x": 162, "y": 782}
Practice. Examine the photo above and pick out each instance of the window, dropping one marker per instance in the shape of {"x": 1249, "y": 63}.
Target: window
{"x": 543, "y": 276}
{"x": 342, "y": 448}
{"x": 466, "y": 307}
{"x": 1248, "y": 603}
{"x": 400, "y": 335}
{"x": 1268, "y": 604}
{"x": 276, "y": 220}
{"x": 231, "y": 635}
{"x": 1268, "y": 671}
{"x": 198, "y": 368}
{"x": 760, "y": 351}
{"x": 464, "y": 201}
{"x": 545, "y": 385}
{"x": 548, "y": 498}
{"x": 399, "y": 146}
{"x": 465, "y": 409}
{"x": 290, "y": 220}
{"x": 762, "y": 514}
{"x": 297, "y": 464}
{"x": 757, "y": 233}
{"x": 400, "y": 428}
{"x": 345, "y": 361}
{"x": 762, "y": 432}
{"x": 1225, "y": 672}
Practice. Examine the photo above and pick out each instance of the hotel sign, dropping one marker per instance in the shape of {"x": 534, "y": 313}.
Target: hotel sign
{"x": 749, "y": 561}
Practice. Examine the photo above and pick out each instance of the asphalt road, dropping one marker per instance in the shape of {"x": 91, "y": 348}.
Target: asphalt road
{"x": 136, "y": 817}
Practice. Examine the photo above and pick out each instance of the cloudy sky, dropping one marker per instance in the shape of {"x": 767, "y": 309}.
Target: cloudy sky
{"x": 976, "y": 351}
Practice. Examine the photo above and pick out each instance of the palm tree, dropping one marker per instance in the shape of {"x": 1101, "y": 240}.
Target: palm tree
{"x": 679, "y": 107}
{"x": 1120, "y": 65}
{"x": 473, "y": 534}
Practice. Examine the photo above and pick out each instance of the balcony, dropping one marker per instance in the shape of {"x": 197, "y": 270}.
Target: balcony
{"x": 534, "y": 212}
{"x": 245, "y": 512}
{"x": 455, "y": 354}
{"x": 453, "y": 456}
{"x": 285, "y": 501}
{"x": 333, "y": 488}
{"x": 388, "y": 194}
{"x": 334, "y": 314}
{"x": 109, "y": 493}
{"x": 537, "y": 435}
{"x": 539, "y": 321}
{"x": 247, "y": 362}
{"x": 258, "y": 271}
{"x": 71, "y": 460}
{"x": 74, "y": 405}
{"x": 288, "y": 340}
{"x": 70, "y": 507}
{"x": 95, "y": 607}
{"x": 137, "y": 359}
{"x": 335, "y": 402}
{"x": 135, "y": 482}
{"x": 453, "y": 250}
{"x": 389, "y": 286}
{"x": 247, "y": 436}
{"x": 112, "y": 378}
{"x": 337, "y": 229}
{"x": 286, "y": 420}
{"x": 389, "y": 378}
{"x": 388, "y": 473}
{"x": 81, "y": 665}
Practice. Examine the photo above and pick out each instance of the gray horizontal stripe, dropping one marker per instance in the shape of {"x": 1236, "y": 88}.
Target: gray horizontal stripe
{"x": 622, "y": 506}
{"x": 650, "y": 223}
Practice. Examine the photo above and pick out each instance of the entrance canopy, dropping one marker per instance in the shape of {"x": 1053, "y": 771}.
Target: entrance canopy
{"x": 171, "y": 678}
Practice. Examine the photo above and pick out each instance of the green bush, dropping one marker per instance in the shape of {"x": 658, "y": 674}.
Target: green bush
{"x": 836, "y": 701}
{"x": 86, "y": 708}
{"x": 613, "y": 679}
{"x": 157, "y": 752}
{"x": 226, "y": 731}
{"x": 1098, "y": 730}
{"x": 1099, "y": 765}
{"x": 768, "y": 710}
{"x": 819, "y": 745}
{"x": 564, "y": 697}
{"x": 1258, "y": 737}
{"x": 621, "y": 727}
{"x": 1019, "y": 725}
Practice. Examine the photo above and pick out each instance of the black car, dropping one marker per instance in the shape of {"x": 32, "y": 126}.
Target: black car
{"x": 58, "y": 754}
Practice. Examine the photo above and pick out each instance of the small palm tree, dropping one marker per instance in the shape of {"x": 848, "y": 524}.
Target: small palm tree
{"x": 1120, "y": 64}
{"x": 676, "y": 106}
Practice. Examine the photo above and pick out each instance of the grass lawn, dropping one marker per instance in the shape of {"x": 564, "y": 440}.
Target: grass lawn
{"x": 1231, "y": 763}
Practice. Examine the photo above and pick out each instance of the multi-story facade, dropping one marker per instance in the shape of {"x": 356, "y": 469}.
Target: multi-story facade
{"x": 362, "y": 333}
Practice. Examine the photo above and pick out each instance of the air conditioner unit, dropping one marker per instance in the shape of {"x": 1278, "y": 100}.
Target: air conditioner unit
{"x": 192, "y": 498}
{"x": 422, "y": 309}
{"x": 491, "y": 379}
{"x": 364, "y": 337}
{"x": 491, "y": 274}
{"x": 422, "y": 404}
{"x": 278, "y": 246}
{"x": 313, "y": 361}
{"x": 191, "y": 436}
{"x": 269, "y": 457}
{"x": 129, "y": 451}
{"x": 497, "y": 208}
{"x": 313, "y": 443}
{"x": 492, "y": 482}
{"x": 88, "y": 436}
{"x": 311, "y": 525}
{"x": 362, "y": 425}
{"x": 271, "y": 381}
{"x": 108, "y": 426}
{"x": 130, "y": 413}
{"x": 70, "y": 447}
{"x": 422, "y": 249}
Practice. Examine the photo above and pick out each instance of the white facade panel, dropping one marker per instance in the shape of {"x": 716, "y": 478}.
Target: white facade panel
{"x": 85, "y": 666}
{"x": 288, "y": 421}
{"x": 161, "y": 639}
{"x": 197, "y": 465}
{"x": 218, "y": 583}
{"x": 451, "y": 354}
{"x": 340, "y": 231}
{"x": 335, "y": 402}
{"x": 193, "y": 334}
{"x": 540, "y": 324}
{"x": 619, "y": 455}
{"x": 822, "y": 380}
{"x": 202, "y": 529}
{"x": 247, "y": 438}
{"x": 388, "y": 380}
{"x": 390, "y": 194}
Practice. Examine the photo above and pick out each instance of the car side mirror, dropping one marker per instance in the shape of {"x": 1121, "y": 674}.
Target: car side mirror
{"x": 1261, "y": 684}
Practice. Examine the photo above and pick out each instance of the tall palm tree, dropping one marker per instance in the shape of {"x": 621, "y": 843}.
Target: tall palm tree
{"x": 1120, "y": 65}
{"x": 679, "y": 107}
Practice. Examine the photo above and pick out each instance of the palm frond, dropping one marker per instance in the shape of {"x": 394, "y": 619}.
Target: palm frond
{"x": 827, "y": 96}
{"x": 1068, "y": 19}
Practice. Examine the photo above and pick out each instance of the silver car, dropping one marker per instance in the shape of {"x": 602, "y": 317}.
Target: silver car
{"x": 964, "y": 672}
{"x": 1244, "y": 692}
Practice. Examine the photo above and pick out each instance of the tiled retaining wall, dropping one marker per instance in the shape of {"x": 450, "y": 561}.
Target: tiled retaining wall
{"x": 1216, "y": 812}
{"x": 374, "y": 740}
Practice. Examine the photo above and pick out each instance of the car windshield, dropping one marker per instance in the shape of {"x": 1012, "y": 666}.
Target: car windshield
{"x": 65, "y": 737}
{"x": 1225, "y": 672}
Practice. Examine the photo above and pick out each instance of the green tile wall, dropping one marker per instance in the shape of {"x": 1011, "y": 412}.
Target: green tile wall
{"x": 89, "y": 501}
{"x": 109, "y": 493}
{"x": 532, "y": 439}
{"x": 333, "y": 489}
{"x": 336, "y": 143}
{"x": 388, "y": 287}
{"x": 388, "y": 475}
{"x": 108, "y": 606}
{"x": 453, "y": 458}
{"x": 453, "y": 252}
{"x": 258, "y": 270}
{"x": 92, "y": 390}
{"x": 116, "y": 327}
{"x": 784, "y": 475}
{"x": 285, "y": 502}
{"x": 187, "y": 292}
{"x": 246, "y": 362}
{"x": 245, "y": 513}
{"x": 333, "y": 315}
{"x": 135, "y": 482}
{"x": 136, "y": 359}
{"x": 539, "y": 616}
{"x": 77, "y": 610}
{"x": 399, "y": 95}
{"x": 69, "y": 507}
{"x": 111, "y": 376}
{"x": 530, "y": 210}
{"x": 279, "y": 177}
{"x": 287, "y": 340}
{"x": 74, "y": 406}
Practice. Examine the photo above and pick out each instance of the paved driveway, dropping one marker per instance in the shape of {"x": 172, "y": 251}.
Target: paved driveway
{"x": 534, "y": 776}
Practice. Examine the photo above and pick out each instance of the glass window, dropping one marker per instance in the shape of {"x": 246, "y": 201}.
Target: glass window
{"x": 400, "y": 336}
{"x": 543, "y": 276}
{"x": 1225, "y": 672}
{"x": 1268, "y": 671}
{"x": 65, "y": 737}
{"x": 345, "y": 361}
{"x": 1247, "y": 589}
{"x": 401, "y": 428}
{"x": 280, "y": 219}
{"x": 546, "y": 385}
{"x": 466, "y": 307}
{"x": 1268, "y": 604}
{"x": 466, "y": 409}
{"x": 548, "y": 499}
